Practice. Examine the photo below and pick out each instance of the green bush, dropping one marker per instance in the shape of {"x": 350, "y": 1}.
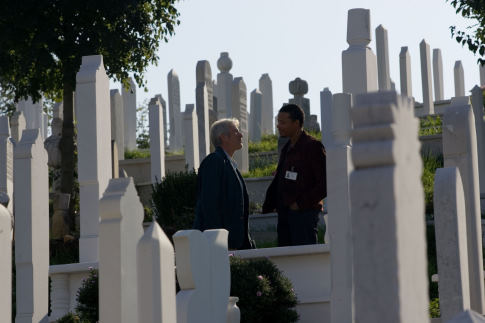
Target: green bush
{"x": 265, "y": 295}
{"x": 431, "y": 125}
{"x": 430, "y": 164}
{"x": 434, "y": 308}
{"x": 87, "y": 298}
{"x": 174, "y": 201}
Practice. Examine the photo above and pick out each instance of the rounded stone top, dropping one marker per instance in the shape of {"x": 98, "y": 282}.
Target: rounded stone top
{"x": 298, "y": 86}
{"x": 224, "y": 63}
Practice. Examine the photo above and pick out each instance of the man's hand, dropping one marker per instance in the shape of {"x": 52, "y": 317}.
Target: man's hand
{"x": 294, "y": 206}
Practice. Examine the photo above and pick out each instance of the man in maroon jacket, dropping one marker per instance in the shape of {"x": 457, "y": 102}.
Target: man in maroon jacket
{"x": 299, "y": 185}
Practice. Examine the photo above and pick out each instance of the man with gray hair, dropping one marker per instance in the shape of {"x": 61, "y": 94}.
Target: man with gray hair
{"x": 222, "y": 198}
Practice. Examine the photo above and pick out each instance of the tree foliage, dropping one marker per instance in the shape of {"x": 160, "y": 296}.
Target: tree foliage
{"x": 474, "y": 35}
{"x": 43, "y": 41}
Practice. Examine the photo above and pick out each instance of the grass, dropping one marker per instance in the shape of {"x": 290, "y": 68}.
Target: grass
{"x": 261, "y": 171}
{"x": 267, "y": 143}
{"x": 137, "y": 153}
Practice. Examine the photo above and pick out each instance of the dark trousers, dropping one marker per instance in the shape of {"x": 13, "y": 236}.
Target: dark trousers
{"x": 297, "y": 227}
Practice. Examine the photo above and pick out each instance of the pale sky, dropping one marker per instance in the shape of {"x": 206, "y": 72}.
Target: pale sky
{"x": 301, "y": 38}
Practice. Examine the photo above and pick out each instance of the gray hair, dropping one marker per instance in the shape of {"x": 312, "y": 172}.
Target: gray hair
{"x": 221, "y": 127}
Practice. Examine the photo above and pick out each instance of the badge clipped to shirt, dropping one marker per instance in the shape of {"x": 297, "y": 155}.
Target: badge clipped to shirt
{"x": 291, "y": 175}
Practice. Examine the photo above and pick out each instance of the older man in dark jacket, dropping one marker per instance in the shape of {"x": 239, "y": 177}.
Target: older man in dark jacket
{"x": 222, "y": 198}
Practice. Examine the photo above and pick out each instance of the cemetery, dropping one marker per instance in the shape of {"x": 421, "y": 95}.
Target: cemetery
{"x": 401, "y": 236}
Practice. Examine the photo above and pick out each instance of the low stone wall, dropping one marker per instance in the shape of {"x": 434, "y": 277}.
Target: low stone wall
{"x": 307, "y": 267}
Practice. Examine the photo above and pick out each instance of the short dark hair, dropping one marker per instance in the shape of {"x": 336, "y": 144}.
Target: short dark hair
{"x": 295, "y": 112}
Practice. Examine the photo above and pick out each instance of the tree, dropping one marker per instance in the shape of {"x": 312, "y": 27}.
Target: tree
{"x": 43, "y": 41}
{"x": 474, "y": 37}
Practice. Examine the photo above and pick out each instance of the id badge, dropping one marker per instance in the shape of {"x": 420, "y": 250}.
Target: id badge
{"x": 291, "y": 175}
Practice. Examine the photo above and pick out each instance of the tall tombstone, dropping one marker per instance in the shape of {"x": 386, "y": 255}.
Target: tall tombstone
{"x": 17, "y": 124}
{"x": 256, "y": 105}
{"x": 157, "y": 142}
{"x": 451, "y": 248}
{"x": 460, "y": 150}
{"x": 339, "y": 166}
{"x": 202, "y": 105}
{"x": 477, "y": 105}
{"x": 326, "y": 115}
{"x": 94, "y": 149}
{"x": 31, "y": 183}
{"x": 438, "y": 75}
{"x": 191, "y": 138}
{"x": 359, "y": 65}
{"x": 203, "y": 274}
{"x": 117, "y": 122}
{"x": 129, "y": 111}
{"x": 156, "y": 277}
{"x": 427, "y": 86}
{"x": 6, "y": 161}
{"x": 266, "y": 88}
{"x": 387, "y": 211}
{"x": 203, "y": 74}
{"x": 382, "y": 48}
{"x": 459, "y": 79}
{"x": 5, "y": 265}
{"x": 482, "y": 74}
{"x": 34, "y": 115}
{"x": 405, "y": 72}
{"x": 239, "y": 112}
{"x": 176, "y": 136}
{"x": 299, "y": 88}
{"x": 120, "y": 229}
{"x": 163, "y": 104}
{"x": 224, "y": 86}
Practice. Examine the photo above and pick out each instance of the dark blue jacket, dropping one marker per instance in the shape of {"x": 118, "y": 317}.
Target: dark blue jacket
{"x": 222, "y": 199}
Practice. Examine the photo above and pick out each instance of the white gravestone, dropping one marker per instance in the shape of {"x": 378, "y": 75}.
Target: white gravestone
{"x": 202, "y": 109}
{"x": 117, "y": 122}
{"x": 426, "y": 82}
{"x": 387, "y": 211}
{"x": 156, "y": 277}
{"x": 256, "y": 102}
{"x": 129, "y": 118}
{"x": 203, "y": 274}
{"x": 266, "y": 88}
{"x": 359, "y": 65}
{"x": 460, "y": 150}
{"x": 477, "y": 105}
{"x": 224, "y": 86}
{"x": 94, "y": 149}
{"x": 176, "y": 136}
{"x": 6, "y": 161}
{"x": 299, "y": 88}
{"x": 163, "y": 104}
{"x": 34, "y": 115}
{"x": 326, "y": 115}
{"x": 459, "y": 79}
{"x": 157, "y": 142}
{"x": 339, "y": 166}
{"x": 438, "y": 75}
{"x": 17, "y": 124}
{"x": 120, "y": 229}
{"x": 5, "y": 265}
{"x": 382, "y": 49}
{"x": 191, "y": 138}
{"x": 482, "y": 74}
{"x": 405, "y": 72}
{"x": 451, "y": 249}
{"x": 31, "y": 228}
{"x": 239, "y": 112}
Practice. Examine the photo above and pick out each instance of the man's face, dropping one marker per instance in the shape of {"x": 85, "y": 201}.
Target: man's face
{"x": 286, "y": 126}
{"x": 233, "y": 139}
